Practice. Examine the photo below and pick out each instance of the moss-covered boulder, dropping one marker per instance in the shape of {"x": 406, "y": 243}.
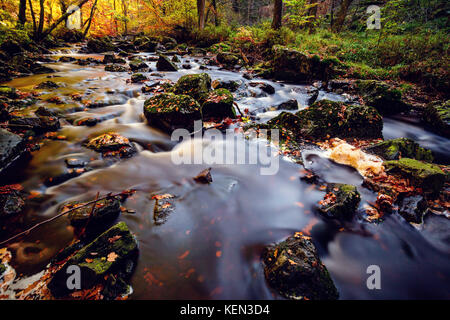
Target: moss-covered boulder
{"x": 169, "y": 112}
{"x": 294, "y": 66}
{"x": 336, "y": 119}
{"x": 111, "y": 58}
{"x": 115, "y": 68}
{"x": 288, "y": 124}
{"x": 427, "y": 176}
{"x": 164, "y": 64}
{"x": 378, "y": 94}
{"x": 103, "y": 212}
{"x": 436, "y": 116}
{"x": 218, "y": 104}
{"x": 138, "y": 77}
{"x": 99, "y": 45}
{"x": 137, "y": 64}
{"x": 400, "y": 148}
{"x": 38, "y": 124}
{"x": 340, "y": 201}
{"x": 47, "y": 85}
{"x": 195, "y": 85}
{"x": 229, "y": 60}
{"x": 294, "y": 269}
{"x": 107, "y": 254}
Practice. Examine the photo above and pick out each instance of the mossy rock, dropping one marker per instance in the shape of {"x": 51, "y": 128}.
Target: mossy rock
{"x": 169, "y": 112}
{"x": 2, "y": 269}
{"x": 219, "y": 104}
{"x": 437, "y": 117}
{"x": 47, "y": 85}
{"x": 336, "y": 119}
{"x": 380, "y": 95}
{"x": 108, "y": 253}
{"x": 229, "y": 60}
{"x": 115, "y": 68}
{"x": 294, "y": 269}
{"x": 401, "y": 147}
{"x": 230, "y": 85}
{"x": 137, "y": 64}
{"x": 294, "y": 66}
{"x": 288, "y": 124}
{"x": 8, "y": 92}
{"x": 263, "y": 70}
{"x": 99, "y": 45}
{"x": 427, "y": 176}
{"x": 195, "y": 85}
{"x": 148, "y": 46}
{"x": 340, "y": 202}
{"x": 105, "y": 211}
{"x": 220, "y": 47}
{"x": 138, "y": 77}
{"x": 164, "y": 64}
{"x": 108, "y": 142}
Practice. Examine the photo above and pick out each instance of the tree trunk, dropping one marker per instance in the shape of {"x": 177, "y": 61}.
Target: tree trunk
{"x": 201, "y": 13}
{"x": 90, "y": 19}
{"x": 41, "y": 18}
{"x": 30, "y": 5}
{"x": 22, "y": 12}
{"x": 277, "y": 13}
{"x": 342, "y": 13}
{"x": 216, "y": 16}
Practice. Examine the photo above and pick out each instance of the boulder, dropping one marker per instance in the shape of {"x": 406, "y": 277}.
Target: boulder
{"x": 115, "y": 68}
{"x": 110, "y": 253}
{"x": 110, "y": 58}
{"x": 294, "y": 66}
{"x": 148, "y": 46}
{"x": 105, "y": 211}
{"x": 8, "y": 92}
{"x": 336, "y": 119}
{"x": 219, "y": 104}
{"x": 230, "y": 85}
{"x": 195, "y": 85}
{"x": 168, "y": 112}
{"x": 99, "y": 45}
{"x": 164, "y": 64}
{"x": 294, "y": 269}
{"x": 12, "y": 147}
{"x": 112, "y": 144}
{"x": 436, "y": 116}
{"x": 138, "y": 77}
{"x": 137, "y": 64}
{"x": 39, "y": 124}
{"x": 413, "y": 208}
{"x": 402, "y": 147}
{"x": 229, "y": 60}
{"x": 267, "y": 88}
{"x": 380, "y": 95}
{"x": 427, "y": 176}
{"x": 12, "y": 200}
{"x": 47, "y": 85}
{"x": 287, "y": 105}
{"x": 340, "y": 201}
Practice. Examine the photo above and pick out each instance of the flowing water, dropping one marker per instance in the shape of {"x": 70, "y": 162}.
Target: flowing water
{"x": 210, "y": 245}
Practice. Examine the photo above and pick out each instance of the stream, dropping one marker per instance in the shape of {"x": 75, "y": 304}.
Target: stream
{"x": 210, "y": 245}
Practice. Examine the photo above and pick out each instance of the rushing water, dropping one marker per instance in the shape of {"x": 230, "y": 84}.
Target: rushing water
{"x": 210, "y": 245}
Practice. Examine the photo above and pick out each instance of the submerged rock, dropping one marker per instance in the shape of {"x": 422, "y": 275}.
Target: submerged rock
{"x": 8, "y": 92}
{"x": 437, "y": 116}
{"x": 204, "y": 177}
{"x": 294, "y": 269}
{"x": 229, "y": 60}
{"x": 340, "y": 202}
{"x": 267, "y": 88}
{"x": 47, "y": 85}
{"x": 164, "y": 64}
{"x": 402, "y": 147}
{"x": 111, "y": 58}
{"x": 99, "y": 45}
{"x": 39, "y": 124}
{"x": 12, "y": 147}
{"x": 195, "y": 85}
{"x": 110, "y": 253}
{"x": 138, "y": 77}
{"x": 427, "y": 176}
{"x": 380, "y": 95}
{"x": 168, "y": 112}
{"x": 219, "y": 104}
{"x": 137, "y": 64}
{"x": 287, "y": 105}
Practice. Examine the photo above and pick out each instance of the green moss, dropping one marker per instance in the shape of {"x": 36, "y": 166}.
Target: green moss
{"x": 219, "y": 104}
{"x": 336, "y": 119}
{"x": 401, "y": 147}
{"x": 8, "y": 92}
{"x": 2, "y": 269}
{"x": 437, "y": 116}
{"x": 383, "y": 97}
{"x": 427, "y": 176}
{"x": 341, "y": 201}
{"x": 195, "y": 85}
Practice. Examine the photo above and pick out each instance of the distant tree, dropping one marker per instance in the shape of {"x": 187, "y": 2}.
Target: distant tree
{"x": 277, "y": 14}
{"x": 341, "y": 14}
{"x": 22, "y": 17}
{"x": 201, "y": 13}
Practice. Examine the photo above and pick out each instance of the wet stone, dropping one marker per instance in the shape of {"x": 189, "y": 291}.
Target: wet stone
{"x": 413, "y": 208}
{"x": 105, "y": 211}
{"x": 12, "y": 147}
{"x": 218, "y": 104}
{"x": 293, "y": 268}
{"x": 164, "y": 64}
{"x": 12, "y": 200}
{"x": 402, "y": 147}
{"x": 340, "y": 201}
{"x": 112, "y": 144}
